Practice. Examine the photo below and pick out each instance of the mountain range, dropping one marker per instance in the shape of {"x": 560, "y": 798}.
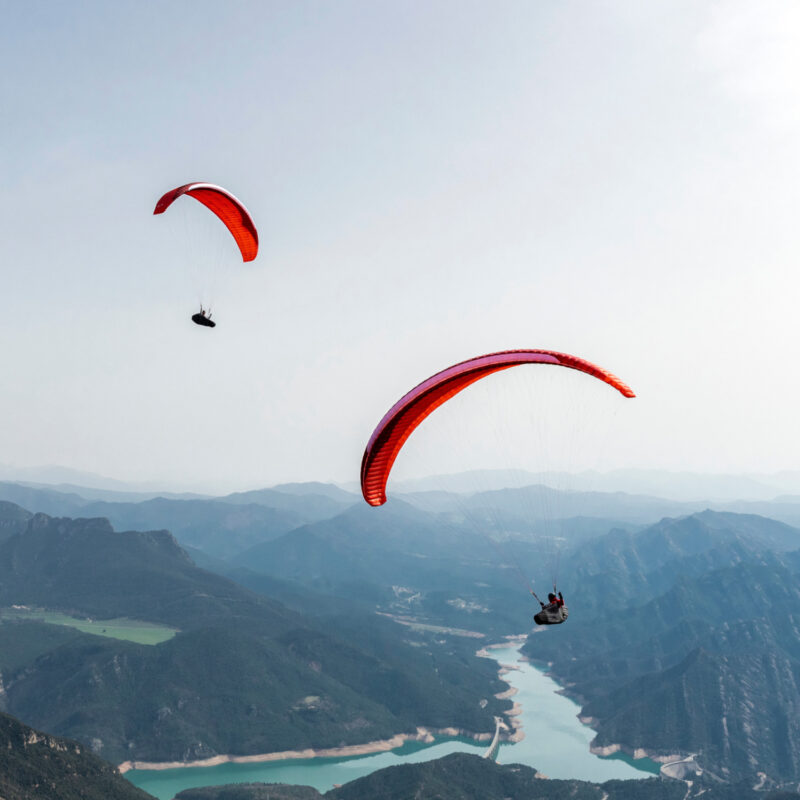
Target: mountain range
{"x": 682, "y": 637}
{"x": 245, "y": 674}
{"x": 686, "y": 641}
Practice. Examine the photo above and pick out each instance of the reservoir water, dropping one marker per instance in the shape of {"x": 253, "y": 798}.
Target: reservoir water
{"x": 555, "y": 743}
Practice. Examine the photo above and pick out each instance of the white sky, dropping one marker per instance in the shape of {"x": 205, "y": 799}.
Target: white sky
{"x": 431, "y": 181}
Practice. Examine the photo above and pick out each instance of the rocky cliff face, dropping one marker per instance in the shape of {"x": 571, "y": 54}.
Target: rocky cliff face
{"x": 702, "y": 655}
{"x": 37, "y": 765}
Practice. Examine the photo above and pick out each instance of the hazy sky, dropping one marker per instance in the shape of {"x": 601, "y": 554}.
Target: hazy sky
{"x": 431, "y": 181}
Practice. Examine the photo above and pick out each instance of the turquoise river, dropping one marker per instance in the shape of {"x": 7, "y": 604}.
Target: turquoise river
{"x": 555, "y": 743}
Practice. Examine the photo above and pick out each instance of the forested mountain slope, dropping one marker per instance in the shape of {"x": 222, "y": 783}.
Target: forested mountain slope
{"x": 244, "y": 674}
{"x": 402, "y": 560}
{"x": 37, "y": 766}
{"x": 467, "y": 777}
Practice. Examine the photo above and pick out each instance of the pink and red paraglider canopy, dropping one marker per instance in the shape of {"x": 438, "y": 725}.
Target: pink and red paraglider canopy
{"x": 407, "y": 413}
{"x": 233, "y": 214}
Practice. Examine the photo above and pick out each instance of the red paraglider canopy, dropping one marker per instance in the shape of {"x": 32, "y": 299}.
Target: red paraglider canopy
{"x": 233, "y": 214}
{"x": 407, "y": 413}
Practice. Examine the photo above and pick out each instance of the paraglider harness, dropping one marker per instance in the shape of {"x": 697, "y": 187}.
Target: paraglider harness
{"x": 552, "y": 613}
{"x": 204, "y": 318}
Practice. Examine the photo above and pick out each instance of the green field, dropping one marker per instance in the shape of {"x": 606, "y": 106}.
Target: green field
{"x": 132, "y": 630}
{"x": 424, "y": 626}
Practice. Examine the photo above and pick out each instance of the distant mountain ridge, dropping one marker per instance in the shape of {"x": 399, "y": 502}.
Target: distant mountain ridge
{"x": 226, "y": 526}
{"x": 220, "y": 526}
{"x": 681, "y": 486}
